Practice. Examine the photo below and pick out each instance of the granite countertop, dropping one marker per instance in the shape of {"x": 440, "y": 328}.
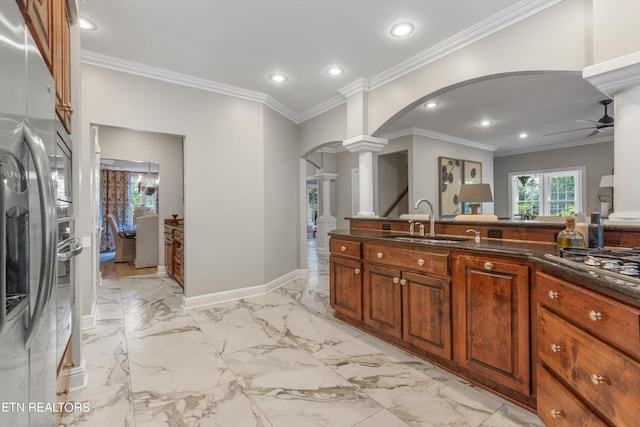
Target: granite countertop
{"x": 531, "y": 251}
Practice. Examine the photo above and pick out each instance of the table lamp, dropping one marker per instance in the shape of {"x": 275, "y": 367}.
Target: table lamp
{"x": 475, "y": 194}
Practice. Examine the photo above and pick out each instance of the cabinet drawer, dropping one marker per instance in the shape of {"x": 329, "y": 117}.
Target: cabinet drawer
{"x": 557, "y": 406}
{"x": 609, "y": 319}
{"x": 346, "y": 248}
{"x": 432, "y": 262}
{"x": 607, "y": 379}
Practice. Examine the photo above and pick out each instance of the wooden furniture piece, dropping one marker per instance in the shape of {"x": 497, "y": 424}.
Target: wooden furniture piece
{"x": 173, "y": 249}
{"x": 346, "y": 270}
{"x": 49, "y": 22}
{"x": 588, "y": 356}
{"x": 63, "y": 376}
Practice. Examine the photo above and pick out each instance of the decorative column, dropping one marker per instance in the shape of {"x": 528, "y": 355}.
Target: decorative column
{"x": 326, "y": 222}
{"x": 365, "y": 146}
{"x": 619, "y": 79}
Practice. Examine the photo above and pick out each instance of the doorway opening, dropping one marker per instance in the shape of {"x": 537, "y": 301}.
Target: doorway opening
{"x": 393, "y": 184}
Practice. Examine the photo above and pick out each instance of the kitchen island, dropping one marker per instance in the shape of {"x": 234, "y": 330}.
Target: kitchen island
{"x": 487, "y": 311}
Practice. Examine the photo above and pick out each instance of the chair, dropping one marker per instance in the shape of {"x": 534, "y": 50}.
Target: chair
{"x": 125, "y": 246}
{"x": 147, "y": 240}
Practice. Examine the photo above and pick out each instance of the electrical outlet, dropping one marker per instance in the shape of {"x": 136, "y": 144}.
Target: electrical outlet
{"x": 494, "y": 233}
{"x": 386, "y": 227}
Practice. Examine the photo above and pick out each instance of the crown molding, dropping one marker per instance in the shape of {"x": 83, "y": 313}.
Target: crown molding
{"x": 129, "y": 67}
{"x": 615, "y": 75}
{"x": 323, "y": 107}
{"x": 506, "y": 18}
{"x": 441, "y": 137}
{"x": 360, "y": 85}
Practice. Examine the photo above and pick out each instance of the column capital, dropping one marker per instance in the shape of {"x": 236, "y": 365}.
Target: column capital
{"x": 365, "y": 143}
{"x": 326, "y": 176}
{"x": 615, "y": 75}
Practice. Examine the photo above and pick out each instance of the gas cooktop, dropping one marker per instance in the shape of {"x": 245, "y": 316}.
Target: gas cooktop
{"x": 619, "y": 266}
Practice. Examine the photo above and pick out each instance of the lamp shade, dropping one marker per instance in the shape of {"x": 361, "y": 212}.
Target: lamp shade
{"x": 607, "y": 181}
{"x": 475, "y": 193}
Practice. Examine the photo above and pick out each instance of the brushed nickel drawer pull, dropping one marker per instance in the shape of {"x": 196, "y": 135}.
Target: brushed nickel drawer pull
{"x": 357, "y": 271}
{"x": 65, "y": 391}
{"x": 421, "y": 262}
{"x": 403, "y": 282}
{"x": 380, "y": 255}
{"x": 396, "y": 280}
{"x": 555, "y": 414}
{"x": 595, "y": 316}
{"x": 597, "y": 379}
{"x": 553, "y": 294}
{"x": 556, "y": 348}
{"x": 343, "y": 248}
{"x": 488, "y": 265}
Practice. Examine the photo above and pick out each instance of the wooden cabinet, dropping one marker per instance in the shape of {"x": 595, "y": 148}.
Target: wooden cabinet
{"x": 407, "y": 296}
{"x": 346, "y": 278}
{"x": 49, "y": 22}
{"x": 63, "y": 376}
{"x": 174, "y": 250}
{"x": 588, "y": 348}
{"x": 61, "y": 67}
{"x": 38, "y": 16}
{"x": 491, "y": 334}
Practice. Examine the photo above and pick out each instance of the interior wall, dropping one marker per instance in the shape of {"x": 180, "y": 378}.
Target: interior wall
{"x": 330, "y": 126}
{"x": 346, "y": 161}
{"x": 393, "y": 178}
{"x": 615, "y": 31}
{"x": 598, "y": 159}
{"x": 223, "y": 168}
{"x": 164, "y": 149}
{"x": 281, "y": 162}
{"x": 425, "y": 178}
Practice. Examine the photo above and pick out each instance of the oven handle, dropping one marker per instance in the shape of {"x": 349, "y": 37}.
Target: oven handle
{"x": 74, "y": 249}
{"x": 46, "y": 192}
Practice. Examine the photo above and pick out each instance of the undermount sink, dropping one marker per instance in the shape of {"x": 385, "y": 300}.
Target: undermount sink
{"x": 429, "y": 239}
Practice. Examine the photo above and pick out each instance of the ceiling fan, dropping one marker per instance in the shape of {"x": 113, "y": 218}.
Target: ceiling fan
{"x": 604, "y": 122}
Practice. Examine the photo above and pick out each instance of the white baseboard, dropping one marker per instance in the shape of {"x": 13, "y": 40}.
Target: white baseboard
{"x": 162, "y": 269}
{"x": 79, "y": 377}
{"x": 89, "y": 320}
{"x": 235, "y": 294}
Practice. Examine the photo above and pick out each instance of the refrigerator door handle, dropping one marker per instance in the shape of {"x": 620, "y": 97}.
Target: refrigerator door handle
{"x": 46, "y": 192}
{"x": 74, "y": 248}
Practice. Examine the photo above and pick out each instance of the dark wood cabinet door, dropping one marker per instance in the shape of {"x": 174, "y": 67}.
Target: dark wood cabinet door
{"x": 61, "y": 66}
{"x": 383, "y": 299}
{"x": 492, "y": 332}
{"x": 37, "y": 15}
{"x": 346, "y": 287}
{"x": 426, "y": 313}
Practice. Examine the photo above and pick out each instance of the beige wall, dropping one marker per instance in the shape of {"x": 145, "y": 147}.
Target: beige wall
{"x": 616, "y": 28}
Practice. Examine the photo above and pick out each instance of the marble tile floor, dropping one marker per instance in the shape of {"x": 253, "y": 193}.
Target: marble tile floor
{"x": 276, "y": 360}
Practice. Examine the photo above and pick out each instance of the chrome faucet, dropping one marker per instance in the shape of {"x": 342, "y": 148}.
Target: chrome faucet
{"x": 432, "y": 218}
{"x": 420, "y": 228}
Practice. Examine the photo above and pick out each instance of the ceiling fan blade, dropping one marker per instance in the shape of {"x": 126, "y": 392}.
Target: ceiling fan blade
{"x": 593, "y": 122}
{"x": 565, "y": 131}
{"x": 595, "y": 132}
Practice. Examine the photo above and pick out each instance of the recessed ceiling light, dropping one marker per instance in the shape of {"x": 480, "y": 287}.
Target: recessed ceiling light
{"x": 87, "y": 24}
{"x": 431, "y": 104}
{"x": 523, "y": 135}
{"x": 335, "y": 71}
{"x": 279, "y": 78}
{"x": 402, "y": 29}
{"x": 485, "y": 123}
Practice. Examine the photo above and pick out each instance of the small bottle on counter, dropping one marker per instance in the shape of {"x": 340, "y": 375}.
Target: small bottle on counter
{"x": 596, "y": 232}
{"x": 569, "y": 237}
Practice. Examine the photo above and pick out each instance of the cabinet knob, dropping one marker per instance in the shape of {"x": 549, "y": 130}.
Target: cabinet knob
{"x": 380, "y": 255}
{"x": 396, "y": 280}
{"x": 595, "y": 316}
{"x": 421, "y": 262}
{"x": 357, "y": 271}
{"x": 65, "y": 391}
{"x": 488, "y": 265}
{"x": 343, "y": 248}
{"x": 555, "y": 414}
{"x": 597, "y": 379}
{"x": 553, "y": 294}
{"x": 556, "y": 348}
{"x": 403, "y": 282}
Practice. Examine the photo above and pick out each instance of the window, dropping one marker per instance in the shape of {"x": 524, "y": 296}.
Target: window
{"x": 546, "y": 193}
{"x": 137, "y": 196}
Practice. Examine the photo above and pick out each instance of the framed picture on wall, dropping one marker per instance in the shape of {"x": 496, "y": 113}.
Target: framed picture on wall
{"x": 449, "y": 179}
{"x": 472, "y": 173}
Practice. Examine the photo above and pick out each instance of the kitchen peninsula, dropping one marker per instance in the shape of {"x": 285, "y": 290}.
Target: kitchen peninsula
{"x": 500, "y": 313}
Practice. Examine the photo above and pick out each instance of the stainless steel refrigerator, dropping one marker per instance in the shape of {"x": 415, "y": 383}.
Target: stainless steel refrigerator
{"x": 28, "y": 228}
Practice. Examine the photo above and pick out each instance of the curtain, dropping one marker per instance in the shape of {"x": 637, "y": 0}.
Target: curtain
{"x": 115, "y": 201}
